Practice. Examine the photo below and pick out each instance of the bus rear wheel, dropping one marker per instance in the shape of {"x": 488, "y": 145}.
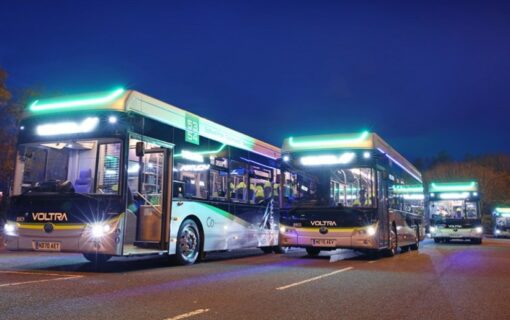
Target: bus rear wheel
{"x": 188, "y": 243}
{"x": 313, "y": 252}
{"x": 97, "y": 258}
{"x": 281, "y": 250}
{"x": 267, "y": 250}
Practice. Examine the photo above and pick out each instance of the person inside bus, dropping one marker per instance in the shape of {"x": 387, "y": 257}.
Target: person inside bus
{"x": 259, "y": 193}
{"x": 362, "y": 200}
{"x": 458, "y": 213}
{"x": 241, "y": 191}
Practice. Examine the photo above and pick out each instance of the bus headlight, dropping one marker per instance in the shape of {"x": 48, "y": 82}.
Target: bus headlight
{"x": 371, "y": 231}
{"x": 284, "y": 229}
{"x": 98, "y": 230}
{"x": 498, "y": 231}
{"x": 433, "y": 229}
{"x": 478, "y": 229}
{"x": 10, "y": 229}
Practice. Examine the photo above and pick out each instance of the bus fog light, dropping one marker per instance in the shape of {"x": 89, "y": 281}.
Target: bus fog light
{"x": 479, "y": 229}
{"x": 371, "y": 231}
{"x": 498, "y": 231}
{"x": 432, "y": 229}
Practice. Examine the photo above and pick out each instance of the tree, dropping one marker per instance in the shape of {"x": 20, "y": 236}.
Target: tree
{"x": 12, "y": 112}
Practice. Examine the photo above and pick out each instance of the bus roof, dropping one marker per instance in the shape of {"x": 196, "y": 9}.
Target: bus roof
{"x": 136, "y": 102}
{"x": 364, "y": 140}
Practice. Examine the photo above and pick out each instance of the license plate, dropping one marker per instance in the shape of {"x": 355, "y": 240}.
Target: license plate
{"x": 323, "y": 242}
{"x": 47, "y": 246}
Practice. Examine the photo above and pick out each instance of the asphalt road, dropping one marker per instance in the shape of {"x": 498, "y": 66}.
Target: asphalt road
{"x": 441, "y": 281}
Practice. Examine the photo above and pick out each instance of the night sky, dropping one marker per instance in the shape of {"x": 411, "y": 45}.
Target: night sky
{"x": 427, "y": 77}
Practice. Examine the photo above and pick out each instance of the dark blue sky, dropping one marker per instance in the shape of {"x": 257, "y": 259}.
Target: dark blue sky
{"x": 427, "y": 77}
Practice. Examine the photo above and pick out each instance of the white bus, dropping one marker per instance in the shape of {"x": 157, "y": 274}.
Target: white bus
{"x": 121, "y": 174}
{"x": 349, "y": 191}
{"x": 501, "y": 222}
{"x": 454, "y": 211}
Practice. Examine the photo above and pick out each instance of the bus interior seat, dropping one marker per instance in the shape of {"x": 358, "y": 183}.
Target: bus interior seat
{"x": 84, "y": 181}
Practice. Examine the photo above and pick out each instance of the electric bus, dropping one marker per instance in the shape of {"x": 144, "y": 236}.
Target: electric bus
{"x": 350, "y": 191}
{"x": 454, "y": 211}
{"x": 501, "y": 222}
{"x": 121, "y": 174}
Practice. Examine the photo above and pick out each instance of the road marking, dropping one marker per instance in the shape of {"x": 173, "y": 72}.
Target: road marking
{"x": 60, "y": 277}
{"x": 189, "y": 314}
{"x": 314, "y": 278}
{"x": 373, "y": 261}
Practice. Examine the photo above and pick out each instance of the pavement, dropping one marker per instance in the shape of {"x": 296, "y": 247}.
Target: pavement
{"x": 440, "y": 281}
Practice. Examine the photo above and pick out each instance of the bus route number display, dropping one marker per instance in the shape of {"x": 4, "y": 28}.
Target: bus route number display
{"x": 192, "y": 129}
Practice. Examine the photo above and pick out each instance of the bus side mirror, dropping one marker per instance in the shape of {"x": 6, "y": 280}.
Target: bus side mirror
{"x": 140, "y": 149}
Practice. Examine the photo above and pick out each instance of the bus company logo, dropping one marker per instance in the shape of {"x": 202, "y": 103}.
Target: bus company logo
{"x": 49, "y": 216}
{"x": 323, "y": 223}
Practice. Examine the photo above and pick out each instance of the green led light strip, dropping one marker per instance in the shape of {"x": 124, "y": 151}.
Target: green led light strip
{"x": 503, "y": 210}
{"x": 35, "y": 106}
{"x": 408, "y": 189}
{"x": 437, "y": 187}
{"x": 315, "y": 143}
{"x": 204, "y": 152}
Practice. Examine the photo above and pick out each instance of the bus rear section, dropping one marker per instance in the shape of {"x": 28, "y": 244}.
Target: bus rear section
{"x": 454, "y": 212}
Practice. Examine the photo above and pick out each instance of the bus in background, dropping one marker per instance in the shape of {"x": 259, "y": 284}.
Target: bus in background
{"x": 454, "y": 211}
{"x": 501, "y": 222}
{"x": 349, "y": 191}
{"x": 122, "y": 174}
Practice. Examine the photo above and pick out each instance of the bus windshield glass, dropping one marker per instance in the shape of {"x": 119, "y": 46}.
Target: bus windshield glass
{"x": 347, "y": 187}
{"x": 442, "y": 211}
{"x": 82, "y": 166}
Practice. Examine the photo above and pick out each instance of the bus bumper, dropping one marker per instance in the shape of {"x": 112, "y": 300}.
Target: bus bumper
{"x": 348, "y": 239}
{"x": 461, "y": 234}
{"x": 65, "y": 238}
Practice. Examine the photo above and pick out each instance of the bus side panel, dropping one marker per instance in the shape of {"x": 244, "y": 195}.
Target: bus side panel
{"x": 224, "y": 230}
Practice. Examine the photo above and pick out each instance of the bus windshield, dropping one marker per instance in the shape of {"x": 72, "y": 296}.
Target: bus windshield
{"x": 454, "y": 210}
{"x": 84, "y": 166}
{"x": 351, "y": 187}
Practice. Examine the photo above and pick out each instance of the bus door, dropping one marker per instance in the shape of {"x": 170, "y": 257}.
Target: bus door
{"x": 382, "y": 209}
{"x": 153, "y": 197}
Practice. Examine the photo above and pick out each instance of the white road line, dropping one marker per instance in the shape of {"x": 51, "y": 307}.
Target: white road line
{"x": 41, "y": 273}
{"x": 189, "y": 314}
{"x": 373, "y": 261}
{"x": 38, "y": 281}
{"x": 314, "y": 278}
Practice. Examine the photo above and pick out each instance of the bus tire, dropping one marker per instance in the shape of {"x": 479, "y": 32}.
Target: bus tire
{"x": 313, "y": 252}
{"x": 281, "y": 250}
{"x": 415, "y": 246}
{"x": 476, "y": 241}
{"x": 267, "y": 250}
{"x": 437, "y": 240}
{"x": 188, "y": 243}
{"x": 97, "y": 258}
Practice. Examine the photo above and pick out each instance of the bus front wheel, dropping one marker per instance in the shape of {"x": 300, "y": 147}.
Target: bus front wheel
{"x": 313, "y": 252}
{"x": 393, "y": 248}
{"x": 188, "y": 243}
{"x": 97, "y": 258}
